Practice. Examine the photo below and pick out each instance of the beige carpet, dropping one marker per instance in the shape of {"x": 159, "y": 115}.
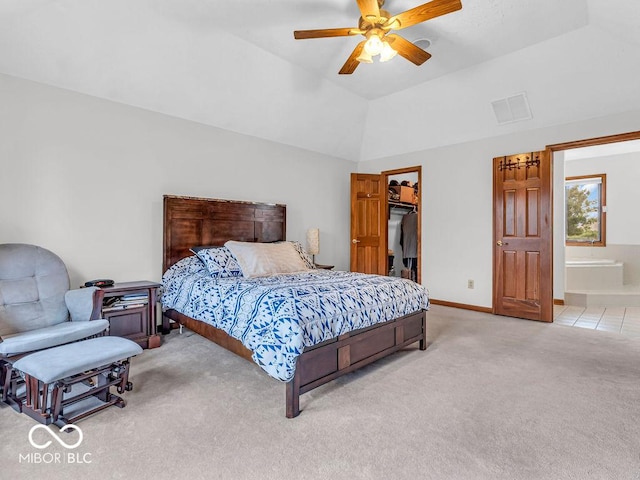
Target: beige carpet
{"x": 491, "y": 398}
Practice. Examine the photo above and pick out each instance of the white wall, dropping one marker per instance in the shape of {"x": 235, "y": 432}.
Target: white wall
{"x": 567, "y": 77}
{"x": 84, "y": 177}
{"x": 457, "y": 237}
{"x": 172, "y": 58}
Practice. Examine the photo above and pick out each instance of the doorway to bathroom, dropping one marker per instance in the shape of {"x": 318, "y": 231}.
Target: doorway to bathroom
{"x": 597, "y": 262}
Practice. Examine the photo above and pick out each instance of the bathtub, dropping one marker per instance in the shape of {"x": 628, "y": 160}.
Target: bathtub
{"x": 573, "y": 262}
{"x": 593, "y": 274}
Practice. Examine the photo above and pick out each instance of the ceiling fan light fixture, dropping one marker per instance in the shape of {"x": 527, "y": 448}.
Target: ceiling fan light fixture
{"x": 364, "y": 57}
{"x": 387, "y": 52}
{"x": 374, "y": 44}
{"x": 376, "y": 24}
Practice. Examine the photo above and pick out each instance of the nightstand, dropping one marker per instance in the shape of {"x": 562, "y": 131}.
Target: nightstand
{"x": 324, "y": 267}
{"x": 130, "y": 308}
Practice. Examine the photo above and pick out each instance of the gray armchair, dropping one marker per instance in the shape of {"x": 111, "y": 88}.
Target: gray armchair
{"x": 37, "y": 309}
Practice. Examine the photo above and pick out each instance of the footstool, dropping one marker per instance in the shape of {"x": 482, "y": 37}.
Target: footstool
{"x": 70, "y": 382}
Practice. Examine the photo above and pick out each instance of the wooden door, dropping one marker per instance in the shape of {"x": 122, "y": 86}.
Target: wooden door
{"x": 368, "y": 224}
{"x": 522, "y": 261}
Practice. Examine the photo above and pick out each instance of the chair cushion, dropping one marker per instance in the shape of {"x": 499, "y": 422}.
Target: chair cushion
{"x": 33, "y": 282}
{"x": 61, "y": 362}
{"x": 50, "y": 336}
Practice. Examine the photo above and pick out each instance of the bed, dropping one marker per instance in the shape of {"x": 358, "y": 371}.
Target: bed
{"x": 309, "y": 356}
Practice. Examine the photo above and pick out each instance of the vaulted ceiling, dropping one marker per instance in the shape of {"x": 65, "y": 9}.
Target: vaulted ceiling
{"x": 235, "y": 65}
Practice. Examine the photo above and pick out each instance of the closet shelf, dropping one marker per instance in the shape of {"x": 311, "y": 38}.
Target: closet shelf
{"x": 403, "y": 205}
{"x": 400, "y": 207}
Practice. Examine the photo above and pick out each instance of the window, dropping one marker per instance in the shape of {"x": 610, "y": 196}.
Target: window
{"x": 585, "y": 210}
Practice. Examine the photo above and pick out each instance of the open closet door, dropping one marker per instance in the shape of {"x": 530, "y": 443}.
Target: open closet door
{"x": 368, "y": 224}
{"x": 522, "y": 261}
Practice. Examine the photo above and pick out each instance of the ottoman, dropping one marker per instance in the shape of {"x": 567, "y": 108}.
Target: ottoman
{"x": 67, "y": 383}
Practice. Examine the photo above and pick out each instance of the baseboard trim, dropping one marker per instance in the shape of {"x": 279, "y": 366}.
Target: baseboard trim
{"x": 558, "y": 301}
{"x": 463, "y": 306}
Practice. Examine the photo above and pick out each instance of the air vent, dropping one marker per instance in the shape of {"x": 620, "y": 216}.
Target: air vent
{"x": 512, "y": 109}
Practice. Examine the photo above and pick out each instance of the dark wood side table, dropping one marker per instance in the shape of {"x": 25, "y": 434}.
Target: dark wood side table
{"x": 134, "y": 319}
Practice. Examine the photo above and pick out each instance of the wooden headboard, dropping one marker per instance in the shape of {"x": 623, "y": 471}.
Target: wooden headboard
{"x": 191, "y": 221}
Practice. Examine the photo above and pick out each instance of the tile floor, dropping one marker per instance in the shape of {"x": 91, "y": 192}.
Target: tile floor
{"x": 625, "y": 320}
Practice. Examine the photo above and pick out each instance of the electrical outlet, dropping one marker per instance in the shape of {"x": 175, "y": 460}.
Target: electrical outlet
{"x": 470, "y": 284}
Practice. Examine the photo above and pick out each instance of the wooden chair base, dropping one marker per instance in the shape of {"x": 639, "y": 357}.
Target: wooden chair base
{"x": 11, "y": 381}
{"x": 51, "y": 403}
{"x": 10, "y": 388}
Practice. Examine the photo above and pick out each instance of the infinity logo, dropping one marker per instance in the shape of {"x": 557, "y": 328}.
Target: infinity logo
{"x": 54, "y": 435}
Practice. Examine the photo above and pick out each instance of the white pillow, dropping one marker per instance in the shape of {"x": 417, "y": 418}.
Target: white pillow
{"x": 261, "y": 259}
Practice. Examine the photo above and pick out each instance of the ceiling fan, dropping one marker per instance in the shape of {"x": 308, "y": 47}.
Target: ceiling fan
{"x": 375, "y": 24}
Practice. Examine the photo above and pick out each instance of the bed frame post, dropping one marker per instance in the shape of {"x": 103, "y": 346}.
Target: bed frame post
{"x": 293, "y": 396}
{"x": 423, "y": 340}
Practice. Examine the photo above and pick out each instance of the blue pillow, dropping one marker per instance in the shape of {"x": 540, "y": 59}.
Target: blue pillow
{"x": 219, "y": 261}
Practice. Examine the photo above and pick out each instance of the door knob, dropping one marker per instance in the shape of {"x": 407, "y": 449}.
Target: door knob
{"x": 355, "y": 241}
{"x": 500, "y": 243}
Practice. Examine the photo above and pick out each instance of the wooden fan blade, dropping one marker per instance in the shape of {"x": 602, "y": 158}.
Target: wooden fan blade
{"x": 324, "y": 33}
{"x": 369, "y": 9}
{"x": 421, "y": 13}
{"x": 352, "y": 62}
{"x": 408, "y": 50}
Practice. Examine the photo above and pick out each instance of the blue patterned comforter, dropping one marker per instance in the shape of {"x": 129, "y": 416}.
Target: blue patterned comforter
{"x": 276, "y": 317}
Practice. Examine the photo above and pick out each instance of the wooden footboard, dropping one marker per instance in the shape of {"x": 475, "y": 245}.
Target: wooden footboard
{"x": 347, "y": 353}
{"x": 331, "y": 359}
